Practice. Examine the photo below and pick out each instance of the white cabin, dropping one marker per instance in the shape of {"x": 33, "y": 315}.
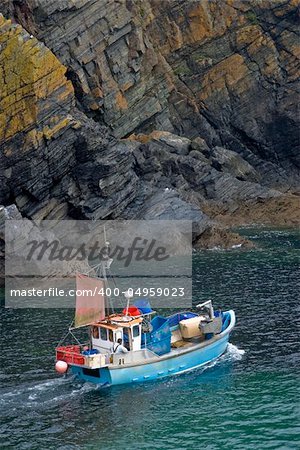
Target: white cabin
{"x": 104, "y": 334}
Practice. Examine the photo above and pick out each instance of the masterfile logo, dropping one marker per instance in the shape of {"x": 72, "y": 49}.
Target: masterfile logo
{"x": 150, "y": 259}
{"x": 139, "y": 249}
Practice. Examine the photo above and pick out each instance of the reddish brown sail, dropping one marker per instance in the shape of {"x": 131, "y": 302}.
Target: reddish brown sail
{"x": 90, "y": 303}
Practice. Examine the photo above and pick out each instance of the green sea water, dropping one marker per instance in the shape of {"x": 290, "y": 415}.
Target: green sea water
{"x": 248, "y": 399}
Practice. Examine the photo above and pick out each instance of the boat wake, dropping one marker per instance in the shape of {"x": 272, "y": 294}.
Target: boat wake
{"x": 47, "y": 392}
{"x": 234, "y": 353}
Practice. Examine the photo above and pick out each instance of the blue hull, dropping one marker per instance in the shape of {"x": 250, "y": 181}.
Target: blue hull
{"x": 173, "y": 363}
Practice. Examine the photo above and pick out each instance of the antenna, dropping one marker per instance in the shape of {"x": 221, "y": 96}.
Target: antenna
{"x": 105, "y": 266}
{"x": 104, "y": 230}
{"x": 128, "y": 295}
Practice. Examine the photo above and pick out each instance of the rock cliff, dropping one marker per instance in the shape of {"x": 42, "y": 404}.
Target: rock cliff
{"x": 143, "y": 108}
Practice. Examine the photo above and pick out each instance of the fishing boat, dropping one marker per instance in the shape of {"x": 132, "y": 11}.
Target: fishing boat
{"x": 137, "y": 344}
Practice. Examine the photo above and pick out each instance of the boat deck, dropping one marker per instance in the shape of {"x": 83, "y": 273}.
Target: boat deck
{"x": 146, "y": 356}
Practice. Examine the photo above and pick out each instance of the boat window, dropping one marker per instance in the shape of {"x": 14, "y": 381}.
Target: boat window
{"x": 111, "y": 335}
{"x": 126, "y": 337}
{"x": 95, "y": 332}
{"x": 103, "y": 334}
{"x": 135, "y": 331}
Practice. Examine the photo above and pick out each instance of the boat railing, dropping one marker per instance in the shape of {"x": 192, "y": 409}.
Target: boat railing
{"x": 71, "y": 354}
{"x": 133, "y": 357}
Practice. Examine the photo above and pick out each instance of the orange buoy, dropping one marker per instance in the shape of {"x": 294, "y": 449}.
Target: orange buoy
{"x": 61, "y": 367}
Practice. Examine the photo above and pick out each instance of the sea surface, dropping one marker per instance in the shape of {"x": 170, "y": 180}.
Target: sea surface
{"x": 248, "y": 399}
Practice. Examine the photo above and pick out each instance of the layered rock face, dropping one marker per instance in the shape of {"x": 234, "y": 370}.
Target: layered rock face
{"x": 114, "y": 108}
{"x": 51, "y": 152}
{"x": 225, "y": 70}
{"x": 36, "y": 100}
{"x": 238, "y": 65}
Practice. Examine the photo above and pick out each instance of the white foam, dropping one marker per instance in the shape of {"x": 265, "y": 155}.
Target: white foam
{"x": 46, "y": 385}
{"x": 235, "y": 352}
{"x": 34, "y": 391}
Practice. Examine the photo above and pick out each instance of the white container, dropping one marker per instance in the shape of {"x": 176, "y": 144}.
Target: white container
{"x": 190, "y": 327}
{"x": 95, "y": 361}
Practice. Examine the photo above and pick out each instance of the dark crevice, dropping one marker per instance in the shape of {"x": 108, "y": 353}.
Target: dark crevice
{"x": 72, "y": 76}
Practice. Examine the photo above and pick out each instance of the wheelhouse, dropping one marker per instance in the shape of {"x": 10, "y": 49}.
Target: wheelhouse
{"x": 105, "y": 334}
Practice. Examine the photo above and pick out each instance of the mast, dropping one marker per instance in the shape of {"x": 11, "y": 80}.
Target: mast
{"x": 105, "y": 265}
